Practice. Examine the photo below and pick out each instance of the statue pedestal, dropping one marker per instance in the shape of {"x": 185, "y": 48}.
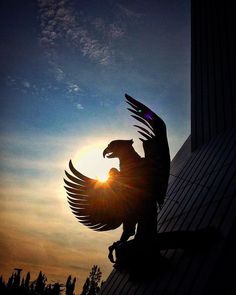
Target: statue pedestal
{"x": 138, "y": 256}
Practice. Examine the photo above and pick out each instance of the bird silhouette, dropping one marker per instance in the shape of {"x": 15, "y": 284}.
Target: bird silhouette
{"x": 131, "y": 194}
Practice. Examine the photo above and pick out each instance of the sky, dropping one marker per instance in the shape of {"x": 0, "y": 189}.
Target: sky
{"x": 65, "y": 67}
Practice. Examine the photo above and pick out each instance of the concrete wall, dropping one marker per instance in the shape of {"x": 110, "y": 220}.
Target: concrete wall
{"x": 213, "y": 87}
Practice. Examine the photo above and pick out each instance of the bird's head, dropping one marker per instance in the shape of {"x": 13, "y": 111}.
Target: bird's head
{"x": 118, "y": 148}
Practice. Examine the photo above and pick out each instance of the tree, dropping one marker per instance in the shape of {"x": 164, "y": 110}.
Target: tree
{"x": 23, "y": 286}
{"x": 27, "y": 280}
{"x": 40, "y": 283}
{"x": 92, "y": 284}
{"x": 70, "y": 285}
{"x": 86, "y": 287}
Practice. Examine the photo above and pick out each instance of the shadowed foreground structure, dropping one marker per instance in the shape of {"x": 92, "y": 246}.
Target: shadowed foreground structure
{"x": 202, "y": 184}
{"x": 130, "y": 194}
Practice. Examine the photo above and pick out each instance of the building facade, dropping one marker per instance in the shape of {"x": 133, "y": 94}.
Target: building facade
{"x": 202, "y": 186}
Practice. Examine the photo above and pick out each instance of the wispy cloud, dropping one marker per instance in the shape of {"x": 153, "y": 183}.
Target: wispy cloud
{"x": 34, "y": 252}
{"x": 60, "y": 23}
{"x": 92, "y": 37}
{"x": 26, "y": 84}
{"x": 115, "y": 31}
{"x": 79, "y": 106}
{"x": 23, "y": 84}
{"x": 73, "y": 87}
{"x": 132, "y": 15}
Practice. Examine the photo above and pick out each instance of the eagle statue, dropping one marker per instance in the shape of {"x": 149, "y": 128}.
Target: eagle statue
{"x": 131, "y": 194}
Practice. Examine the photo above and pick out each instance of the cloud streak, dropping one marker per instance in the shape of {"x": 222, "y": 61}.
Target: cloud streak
{"x": 60, "y": 23}
{"x": 92, "y": 37}
{"x": 34, "y": 211}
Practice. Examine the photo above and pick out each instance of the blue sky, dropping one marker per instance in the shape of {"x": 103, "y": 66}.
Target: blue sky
{"x": 66, "y": 66}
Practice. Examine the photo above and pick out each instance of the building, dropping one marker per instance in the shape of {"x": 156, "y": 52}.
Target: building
{"x": 202, "y": 186}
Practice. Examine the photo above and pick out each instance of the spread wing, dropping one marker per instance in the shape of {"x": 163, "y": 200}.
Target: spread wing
{"x": 95, "y": 204}
{"x": 155, "y": 144}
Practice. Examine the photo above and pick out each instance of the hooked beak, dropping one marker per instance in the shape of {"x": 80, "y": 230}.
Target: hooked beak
{"x": 107, "y": 153}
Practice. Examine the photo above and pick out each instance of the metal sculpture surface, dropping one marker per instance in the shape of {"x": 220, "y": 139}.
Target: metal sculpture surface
{"x": 130, "y": 195}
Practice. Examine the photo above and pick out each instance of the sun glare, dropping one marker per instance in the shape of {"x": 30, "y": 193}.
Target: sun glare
{"x": 90, "y": 162}
{"x": 102, "y": 178}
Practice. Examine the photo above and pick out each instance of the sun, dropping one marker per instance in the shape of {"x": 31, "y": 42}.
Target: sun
{"x": 102, "y": 178}
{"x": 90, "y": 162}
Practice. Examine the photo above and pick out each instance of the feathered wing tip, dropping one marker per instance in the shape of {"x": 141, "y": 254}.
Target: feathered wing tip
{"x": 147, "y": 117}
{"x": 155, "y": 143}
{"x": 90, "y": 201}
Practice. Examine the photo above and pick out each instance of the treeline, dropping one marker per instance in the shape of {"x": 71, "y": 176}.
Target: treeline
{"x": 18, "y": 285}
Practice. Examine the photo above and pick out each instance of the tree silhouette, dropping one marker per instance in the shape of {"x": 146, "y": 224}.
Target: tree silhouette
{"x": 27, "y": 280}
{"x": 92, "y": 284}
{"x": 16, "y": 285}
{"x": 2, "y": 286}
{"x": 40, "y": 283}
{"x": 70, "y": 285}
